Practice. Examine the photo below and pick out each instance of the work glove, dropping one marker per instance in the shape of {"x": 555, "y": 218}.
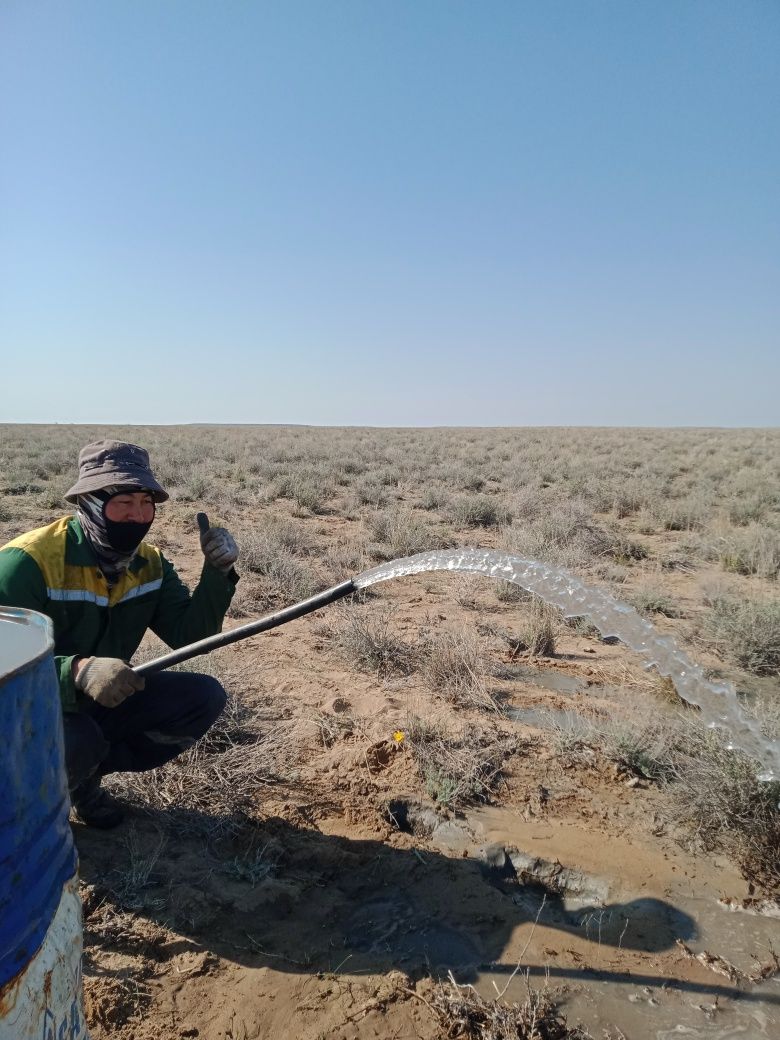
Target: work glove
{"x": 107, "y": 680}
{"x": 218, "y": 545}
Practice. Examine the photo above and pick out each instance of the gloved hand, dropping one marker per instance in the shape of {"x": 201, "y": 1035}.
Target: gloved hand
{"x": 107, "y": 680}
{"x": 219, "y": 548}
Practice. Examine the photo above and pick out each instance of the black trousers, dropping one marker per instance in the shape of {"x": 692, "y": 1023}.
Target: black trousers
{"x": 148, "y": 729}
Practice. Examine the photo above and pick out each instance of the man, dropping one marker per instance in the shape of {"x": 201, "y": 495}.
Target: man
{"x": 102, "y": 586}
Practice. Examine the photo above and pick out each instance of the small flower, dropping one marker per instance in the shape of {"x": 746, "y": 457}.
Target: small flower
{"x": 399, "y": 736}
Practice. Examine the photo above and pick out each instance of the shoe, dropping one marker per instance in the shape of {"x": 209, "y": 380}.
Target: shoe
{"x": 96, "y": 807}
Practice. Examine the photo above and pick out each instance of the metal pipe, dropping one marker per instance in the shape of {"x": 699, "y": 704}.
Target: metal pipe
{"x": 281, "y": 617}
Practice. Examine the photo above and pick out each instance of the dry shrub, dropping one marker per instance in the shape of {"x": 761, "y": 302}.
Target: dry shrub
{"x": 743, "y": 510}
{"x": 622, "y": 548}
{"x": 399, "y": 532}
{"x": 509, "y": 592}
{"x": 565, "y": 533}
{"x": 537, "y": 629}
{"x": 747, "y": 632}
{"x": 546, "y": 540}
{"x": 684, "y": 514}
{"x": 570, "y": 734}
{"x": 453, "y": 663}
{"x": 466, "y": 589}
{"x": 369, "y": 492}
{"x": 719, "y": 799}
{"x": 644, "y": 743}
{"x": 346, "y": 558}
{"x": 458, "y": 770}
{"x": 479, "y": 511}
{"x": 650, "y": 600}
{"x": 466, "y": 1015}
{"x": 751, "y": 550}
{"x": 366, "y": 640}
{"x": 271, "y": 553}
{"x": 434, "y": 498}
{"x": 537, "y": 632}
{"x": 387, "y": 476}
{"x": 309, "y": 491}
{"x": 289, "y": 535}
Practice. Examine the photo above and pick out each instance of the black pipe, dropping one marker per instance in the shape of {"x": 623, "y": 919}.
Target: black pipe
{"x": 281, "y": 617}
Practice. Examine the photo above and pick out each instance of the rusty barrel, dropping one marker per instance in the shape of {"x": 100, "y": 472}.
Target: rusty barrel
{"x": 40, "y": 909}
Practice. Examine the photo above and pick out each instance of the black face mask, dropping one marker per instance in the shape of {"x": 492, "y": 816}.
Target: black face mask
{"x": 125, "y": 536}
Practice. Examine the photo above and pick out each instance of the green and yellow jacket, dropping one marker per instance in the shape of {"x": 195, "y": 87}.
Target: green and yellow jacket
{"x": 54, "y": 570}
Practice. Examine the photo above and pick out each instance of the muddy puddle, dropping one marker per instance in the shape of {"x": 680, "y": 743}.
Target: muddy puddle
{"x": 612, "y": 926}
{"x": 575, "y": 691}
{"x": 569, "y": 722}
{"x": 551, "y": 679}
{"x": 627, "y": 934}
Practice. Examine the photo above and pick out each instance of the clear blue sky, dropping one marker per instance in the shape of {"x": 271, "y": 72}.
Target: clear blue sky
{"x": 390, "y": 213}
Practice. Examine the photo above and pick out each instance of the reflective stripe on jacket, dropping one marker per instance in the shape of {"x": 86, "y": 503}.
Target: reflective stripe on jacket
{"x": 54, "y": 570}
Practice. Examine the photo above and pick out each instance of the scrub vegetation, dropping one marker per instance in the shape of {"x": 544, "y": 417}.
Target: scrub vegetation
{"x": 455, "y": 690}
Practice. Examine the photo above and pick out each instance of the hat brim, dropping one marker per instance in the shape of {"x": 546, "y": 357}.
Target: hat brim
{"x": 98, "y": 481}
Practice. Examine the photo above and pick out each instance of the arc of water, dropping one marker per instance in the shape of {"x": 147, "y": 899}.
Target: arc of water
{"x": 717, "y": 701}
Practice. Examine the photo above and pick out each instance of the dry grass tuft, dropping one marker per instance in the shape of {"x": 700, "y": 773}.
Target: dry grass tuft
{"x": 453, "y": 664}
{"x": 644, "y": 744}
{"x": 751, "y": 550}
{"x": 366, "y": 640}
{"x": 465, "y": 1013}
{"x": 127, "y": 884}
{"x": 538, "y": 629}
{"x": 747, "y": 632}
{"x": 650, "y": 600}
{"x": 332, "y": 726}
{"x": 718, "y": 798}
{"x": 212, "y": 788}
{"x": 273, "y": 553}
{"x": 479, "y": 511}
{"x": 309, "y": 491}
{"x": 401, "y": 533}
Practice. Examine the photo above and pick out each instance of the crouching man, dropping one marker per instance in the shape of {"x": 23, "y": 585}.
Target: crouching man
{"x": 103, "y": 586}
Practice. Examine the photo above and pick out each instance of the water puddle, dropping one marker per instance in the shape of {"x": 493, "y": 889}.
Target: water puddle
{"x": 549, "y": 679}
{"x": 612, "y": 926}
{"x": 569, "y": 723}
{"x": 615, "y": 945}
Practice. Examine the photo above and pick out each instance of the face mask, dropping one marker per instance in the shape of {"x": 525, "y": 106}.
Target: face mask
{"x": 125, "y": 536}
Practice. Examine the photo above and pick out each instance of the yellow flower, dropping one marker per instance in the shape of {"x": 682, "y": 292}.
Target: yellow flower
{"x": 398, "y": 737}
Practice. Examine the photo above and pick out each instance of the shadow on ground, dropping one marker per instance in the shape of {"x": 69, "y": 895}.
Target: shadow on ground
{"x": 292, "y": 898}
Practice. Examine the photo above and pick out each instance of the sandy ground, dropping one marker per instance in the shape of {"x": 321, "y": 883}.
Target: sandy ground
{"x": 358, "y": 915}
{"x": 367, "y": 894}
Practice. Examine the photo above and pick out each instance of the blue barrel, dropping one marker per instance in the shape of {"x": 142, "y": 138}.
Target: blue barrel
{"x": 40, "y": 914}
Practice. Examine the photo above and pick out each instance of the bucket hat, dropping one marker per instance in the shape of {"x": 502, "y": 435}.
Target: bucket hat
{"x": 104, "y": 463}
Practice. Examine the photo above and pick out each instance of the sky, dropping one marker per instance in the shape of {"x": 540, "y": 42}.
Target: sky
{"x": 407, "y": 213}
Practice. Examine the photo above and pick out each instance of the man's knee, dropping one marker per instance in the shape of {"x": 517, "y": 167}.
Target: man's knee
{"x": 85, "y": 747}
{"x": 206, "y": 700}
{"x": 212, "y": 699}
{"x": 191, "y": 704}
